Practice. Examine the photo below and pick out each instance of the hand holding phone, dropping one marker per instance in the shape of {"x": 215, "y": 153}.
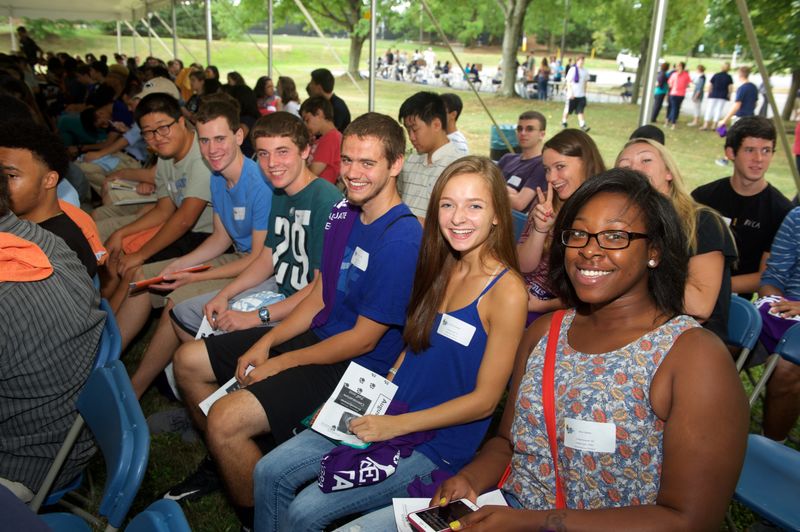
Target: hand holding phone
{"x": 438, "y": 518}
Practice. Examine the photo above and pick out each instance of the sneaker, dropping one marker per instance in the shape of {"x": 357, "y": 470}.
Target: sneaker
{"x": 173, "y": 420}
{"x": 585, "y": 128}
{"x": 721, "y": 162}
{"x": 563, "y": 124}
{"x": 203, "y": 481}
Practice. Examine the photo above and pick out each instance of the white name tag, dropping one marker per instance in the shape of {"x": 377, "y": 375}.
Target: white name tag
{"x": 590, "y": 435}
{"x": 514, "y": 181}
{"x": 239, "y": 213}
{"x": 455, "y": 329}
{"x": 360, "y": 259}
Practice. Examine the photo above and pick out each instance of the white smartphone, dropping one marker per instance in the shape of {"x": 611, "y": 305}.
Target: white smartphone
{"x": 438, "y": 518}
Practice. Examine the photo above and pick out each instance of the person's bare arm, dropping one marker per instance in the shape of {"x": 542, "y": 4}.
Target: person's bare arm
{"x": 703, "y": 284}
{"x": 748, "y": 282}
{"x": 317, "y": 167}
{"x": 118, "y": 145}
{"x": 521, "y": 199}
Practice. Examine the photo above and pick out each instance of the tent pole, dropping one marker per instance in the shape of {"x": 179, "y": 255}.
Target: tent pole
{"x": 147, "y": 25}
{"x": 174, "y": 32}
{"x": 119, "y": 37}
{"x": 151, "y": 31}
{"x": 208, "y": 32}
{"x": 134, "y": 33}
{"x": 762, "y": 68}
{"x": 653, "y": 51}
{"x": 12, "y": 32}
{"x": 270, "y": 21}
{"x": 373, "y": 48}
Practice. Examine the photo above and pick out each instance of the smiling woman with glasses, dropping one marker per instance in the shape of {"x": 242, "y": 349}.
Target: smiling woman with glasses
{"x": 622, "y": 411}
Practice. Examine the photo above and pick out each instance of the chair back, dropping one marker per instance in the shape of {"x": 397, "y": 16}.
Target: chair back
{"x": 744, "y": 326}
{"x": 789, "y": 345}
{"x": 164, "y": 515}
{"x": 519, "y": 219}
{"x": 110, "y": 409}
{"x": 110, "y": 347}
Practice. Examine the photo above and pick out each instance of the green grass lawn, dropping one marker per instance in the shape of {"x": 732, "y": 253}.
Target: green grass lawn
{"x": 695, "y": 151}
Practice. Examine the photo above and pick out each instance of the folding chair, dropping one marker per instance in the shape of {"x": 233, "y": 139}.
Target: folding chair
{"x": 108, "y": 350}
{"x": 519, "y": 219}
{"x": 788, "y": 348}
{"x": 770, "y": 481}
{"x": 110, "y": 409}
{"x": 744, "y": 326}
{"x": 164, "y": 515}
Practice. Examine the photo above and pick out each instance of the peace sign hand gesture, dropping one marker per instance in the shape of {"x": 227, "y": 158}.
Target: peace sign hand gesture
{"x": 543, "y": 214}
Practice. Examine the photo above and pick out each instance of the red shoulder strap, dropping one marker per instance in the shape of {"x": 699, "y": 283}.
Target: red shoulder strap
{"x": 549, "y": 402}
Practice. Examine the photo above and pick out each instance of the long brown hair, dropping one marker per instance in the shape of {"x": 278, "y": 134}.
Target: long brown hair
{"x": 437, "y": 258}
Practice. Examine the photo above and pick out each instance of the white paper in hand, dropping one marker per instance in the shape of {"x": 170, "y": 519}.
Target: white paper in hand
{"x": 230, "y": 386}
{"x": 360, "y": 392}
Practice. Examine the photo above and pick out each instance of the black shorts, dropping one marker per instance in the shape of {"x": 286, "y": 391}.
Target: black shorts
{"x": 577, "y": 105}
{"x": 289, "y": 396}
{"x": 184, "y": 245}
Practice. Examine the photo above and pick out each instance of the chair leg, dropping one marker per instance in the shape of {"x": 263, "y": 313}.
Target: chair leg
{"x": 771, "y": 363}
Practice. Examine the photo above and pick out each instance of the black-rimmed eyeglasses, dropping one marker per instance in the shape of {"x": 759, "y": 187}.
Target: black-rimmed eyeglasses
{"x": 611, "y": 239}
{"x": 161, "y": 131}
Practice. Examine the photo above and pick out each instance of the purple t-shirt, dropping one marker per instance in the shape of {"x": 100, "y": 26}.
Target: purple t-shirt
{"x": 519, "y": 173}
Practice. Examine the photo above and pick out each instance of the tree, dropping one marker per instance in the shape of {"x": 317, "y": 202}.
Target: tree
{"x": 514, "y": 16}
{"x": 776, "y": 22}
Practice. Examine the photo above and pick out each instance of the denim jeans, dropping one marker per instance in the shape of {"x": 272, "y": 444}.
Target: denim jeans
{"x": 674, "y": 109}
{"x": 292, "y": 465}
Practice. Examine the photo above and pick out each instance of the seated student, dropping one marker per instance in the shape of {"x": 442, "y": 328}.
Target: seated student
{"x": 453, "y": 106}
{"x": 51, "y": 329}
{"x": 524, "y": 171}
{"x": 325, "y": 156}
{"x": 451, "y": 381}
{"x": 781, "y": 279}
{"x": 129, "y": 151}
{"x": 182, "y": 217}
{"x": 300, "y": 207}
{"x": 196, "y": 79}
{"x": 643, "y": 382}
{"x": 753, "y": 208}
{"x": 321, "y": 84}
{"x": 241, "y": 202}
{"x": 570, "y": 157}
{"x": 34, "y": 160}
{"x": 712, "y": 252}
{"x": 425, "y": 119}
{"x": 355, "y": 311}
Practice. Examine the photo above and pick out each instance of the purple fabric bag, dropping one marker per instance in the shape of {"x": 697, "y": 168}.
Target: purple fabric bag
{"x": 346, "y": 467}
{"x": 337, "y": 230}
{"x": 773, "y": 325}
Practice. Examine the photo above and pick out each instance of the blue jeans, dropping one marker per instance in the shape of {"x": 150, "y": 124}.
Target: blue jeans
{"x": 674, "y": 109}
{"x": 292, "y": 465}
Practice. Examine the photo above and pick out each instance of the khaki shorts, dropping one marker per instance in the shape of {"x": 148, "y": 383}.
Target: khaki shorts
{"x": 109, "y": 225}
{"x": 188, "y": 291}
{"x": 114, "y": 211}
{"x": 96, "y": 174}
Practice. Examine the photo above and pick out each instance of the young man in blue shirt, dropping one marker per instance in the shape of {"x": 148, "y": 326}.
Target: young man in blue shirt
{"x": 355, "y": 311}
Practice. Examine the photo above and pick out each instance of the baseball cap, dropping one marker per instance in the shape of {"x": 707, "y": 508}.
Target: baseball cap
{"x": 159, "y": 86}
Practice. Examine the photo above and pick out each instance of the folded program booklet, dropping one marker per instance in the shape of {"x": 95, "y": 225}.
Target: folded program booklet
{"x": 360, "y": 392}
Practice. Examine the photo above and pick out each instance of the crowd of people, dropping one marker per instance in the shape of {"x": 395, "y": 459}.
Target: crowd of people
{"x": 330, "y": 243}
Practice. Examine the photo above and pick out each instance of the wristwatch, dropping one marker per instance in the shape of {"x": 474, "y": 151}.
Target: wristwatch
{"x": 263, "y": 314}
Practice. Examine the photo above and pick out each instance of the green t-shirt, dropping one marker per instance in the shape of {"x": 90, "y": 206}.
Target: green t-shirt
{"x": 296, "y": 230}
{"x": 188, "y": 178}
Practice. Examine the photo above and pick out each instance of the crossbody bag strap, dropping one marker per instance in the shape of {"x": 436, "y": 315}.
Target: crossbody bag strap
{"x": 549, "y": 402}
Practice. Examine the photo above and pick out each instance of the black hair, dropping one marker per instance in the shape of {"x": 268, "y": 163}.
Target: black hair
{"x": 158, "y": 103}
{"x": 323, "y": 78}
{"x": 317, "y": 103}
{"x": 426, "y": 106}
{"x": 44, "y": 145}
{"x": 5, "y": 200}
{"x": 237, "y": 78}
{"x": 213, "y": 69}
{"x": 452, "y": 103}
{"x": 157, "y": 71}
{"x": 211, "y": 85}
{"x": 534, "y": 115}
{"x": 103, "y": 95}
{"x": 749, "y": 126}
{"x": 648, "y": 131}
{"x": 243, "y": 94}
{"x": 100, "y": 67}
{"x": 667, "y": 281}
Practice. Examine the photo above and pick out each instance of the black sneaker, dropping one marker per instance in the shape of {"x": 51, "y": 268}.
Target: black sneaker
{"x": 585, "y": 128}
{"x": 203, "y": 481}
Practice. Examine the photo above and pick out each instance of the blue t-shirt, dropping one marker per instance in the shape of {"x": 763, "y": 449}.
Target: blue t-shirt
{"x": 747, "y": 93}
{"x": 720, "y": 82}
{"x": 137, "y": 147}
{"x": 243, "y": 208}
{"x": 375, "y": 280}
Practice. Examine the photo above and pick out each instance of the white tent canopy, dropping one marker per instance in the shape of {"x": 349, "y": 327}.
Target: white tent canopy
{"x": 82, "y": 10}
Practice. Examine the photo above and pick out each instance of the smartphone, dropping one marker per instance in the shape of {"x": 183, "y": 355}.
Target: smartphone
{"x": 438, "y": 518}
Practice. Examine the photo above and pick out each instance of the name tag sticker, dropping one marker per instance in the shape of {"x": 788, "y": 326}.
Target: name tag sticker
{"x": 455, "y": 329}
{"x": 514, "y": 181}
{"x": 360, "y": 259}
{"x": 590, "y": 435}
{"x": 239, "y": 213}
